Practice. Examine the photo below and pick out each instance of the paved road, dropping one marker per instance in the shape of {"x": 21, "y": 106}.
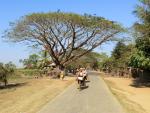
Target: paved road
{"x": 95, "y": 99}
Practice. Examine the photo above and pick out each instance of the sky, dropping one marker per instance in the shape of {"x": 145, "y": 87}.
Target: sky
{"x": 12, "y": 10}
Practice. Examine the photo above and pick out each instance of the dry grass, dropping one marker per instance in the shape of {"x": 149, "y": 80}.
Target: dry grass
{"x": 134, "y": 100}
{"x": 128, "y": 105}
{"x": 30, "y": 95}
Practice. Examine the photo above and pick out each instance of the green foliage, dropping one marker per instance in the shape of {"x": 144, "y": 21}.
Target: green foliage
{"x": 142, "y": 11}
{"x": 143, "y": 44}
{"x": 31, "y": 62}
{"x": 29, "y": 72}
{"x": 91, "y": 60}
{"x": 37, "y": 61}
{"x": 141, "y": 59}
{"x": 5, "y": 71}
{"x": 105, "y": 62}
{"x": 45, "y": 59}
{"x": 10, "y": 67}
{"x": 122, "y": 54}
{"x": 120, "y": 57}
{"x": 119, "y": 50}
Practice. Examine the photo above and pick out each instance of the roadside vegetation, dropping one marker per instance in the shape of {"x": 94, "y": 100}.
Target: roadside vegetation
{"x": 127, "y": 70}
{"x": 6, "y": 70}
{"x": 132, "y": 59}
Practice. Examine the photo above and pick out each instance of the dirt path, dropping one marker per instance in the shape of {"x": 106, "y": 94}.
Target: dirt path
{"x": 95, "y": 99}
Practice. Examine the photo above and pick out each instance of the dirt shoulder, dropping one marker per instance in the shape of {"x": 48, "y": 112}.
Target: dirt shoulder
{"x": 133, "y": 99}
{"x": 30, "y": 95}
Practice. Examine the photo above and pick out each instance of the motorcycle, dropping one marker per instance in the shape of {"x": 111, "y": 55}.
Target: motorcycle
{"x": 81, "y": 81}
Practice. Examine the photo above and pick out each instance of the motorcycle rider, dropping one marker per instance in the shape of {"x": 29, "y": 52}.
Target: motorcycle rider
{"x": 85, "y": 74}
{"x": 81, "y": 77}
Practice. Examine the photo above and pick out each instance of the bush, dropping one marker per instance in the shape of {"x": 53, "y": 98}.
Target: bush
{"x": 5, "y": 71}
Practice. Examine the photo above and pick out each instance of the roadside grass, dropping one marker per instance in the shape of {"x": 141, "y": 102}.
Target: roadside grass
{"x": 28, "y": 72}
{"x": 128, "y": 105}
{"x": 29, "y": 95}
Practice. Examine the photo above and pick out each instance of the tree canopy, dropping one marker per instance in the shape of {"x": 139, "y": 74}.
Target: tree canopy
{"x": 91, "y": 60}
{"x": 118, "y": 50}
{"x": 141, "y": 59}
{"x": 30, "y": 62}
{"x": 63, "y": 34}
{"x": 120, "y": 57}
{"x": 36, "y": 61}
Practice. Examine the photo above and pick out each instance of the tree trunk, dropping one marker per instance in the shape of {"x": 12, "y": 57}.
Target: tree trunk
{"x": 60, "y": 66}
{"x": 5, "y": 80}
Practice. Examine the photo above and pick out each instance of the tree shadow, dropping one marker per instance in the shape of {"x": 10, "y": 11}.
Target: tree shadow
{"x": 137, "y": 83}
{"x": 13, "y": 85}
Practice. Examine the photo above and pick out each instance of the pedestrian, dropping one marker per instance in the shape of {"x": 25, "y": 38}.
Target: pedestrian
{"x": 62, "y": 75}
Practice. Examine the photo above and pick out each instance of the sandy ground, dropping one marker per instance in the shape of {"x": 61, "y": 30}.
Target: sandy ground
{"x": 31, "y": 95}
{"x": 139, "y": 97}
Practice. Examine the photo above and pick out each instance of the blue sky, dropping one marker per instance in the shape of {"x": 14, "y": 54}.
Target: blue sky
{"x": 11, "y": 10}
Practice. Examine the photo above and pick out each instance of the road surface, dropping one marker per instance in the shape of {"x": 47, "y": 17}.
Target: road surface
{"x": 96, "y": 98}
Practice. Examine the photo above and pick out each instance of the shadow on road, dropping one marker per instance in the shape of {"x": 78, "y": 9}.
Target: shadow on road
{"x": 14, "y": 85}
{"x": 84, "y": 87}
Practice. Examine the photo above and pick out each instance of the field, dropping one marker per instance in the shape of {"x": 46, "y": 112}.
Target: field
{"x": 26, "y": 95}
{"x": 133, "y": 99}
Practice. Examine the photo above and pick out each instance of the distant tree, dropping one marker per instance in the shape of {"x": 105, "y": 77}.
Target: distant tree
{"x": 30, "y": 62}
{"x": 44, "y": 59}
{"x": 10, "y": 67}
{"x": 63, "y": 34}
{"x": 120, "y": 57}
{"x": 5, "y": 71}
{"x": 103, "y": 61}
{"x": 92, "y": 60}
{"x": 118, "y": 50}
{"x": 87, "y": 60}
{"x": 141, "y": 59}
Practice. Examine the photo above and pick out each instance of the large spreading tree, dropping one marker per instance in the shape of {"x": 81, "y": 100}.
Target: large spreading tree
{"x": 63, "y": 34}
